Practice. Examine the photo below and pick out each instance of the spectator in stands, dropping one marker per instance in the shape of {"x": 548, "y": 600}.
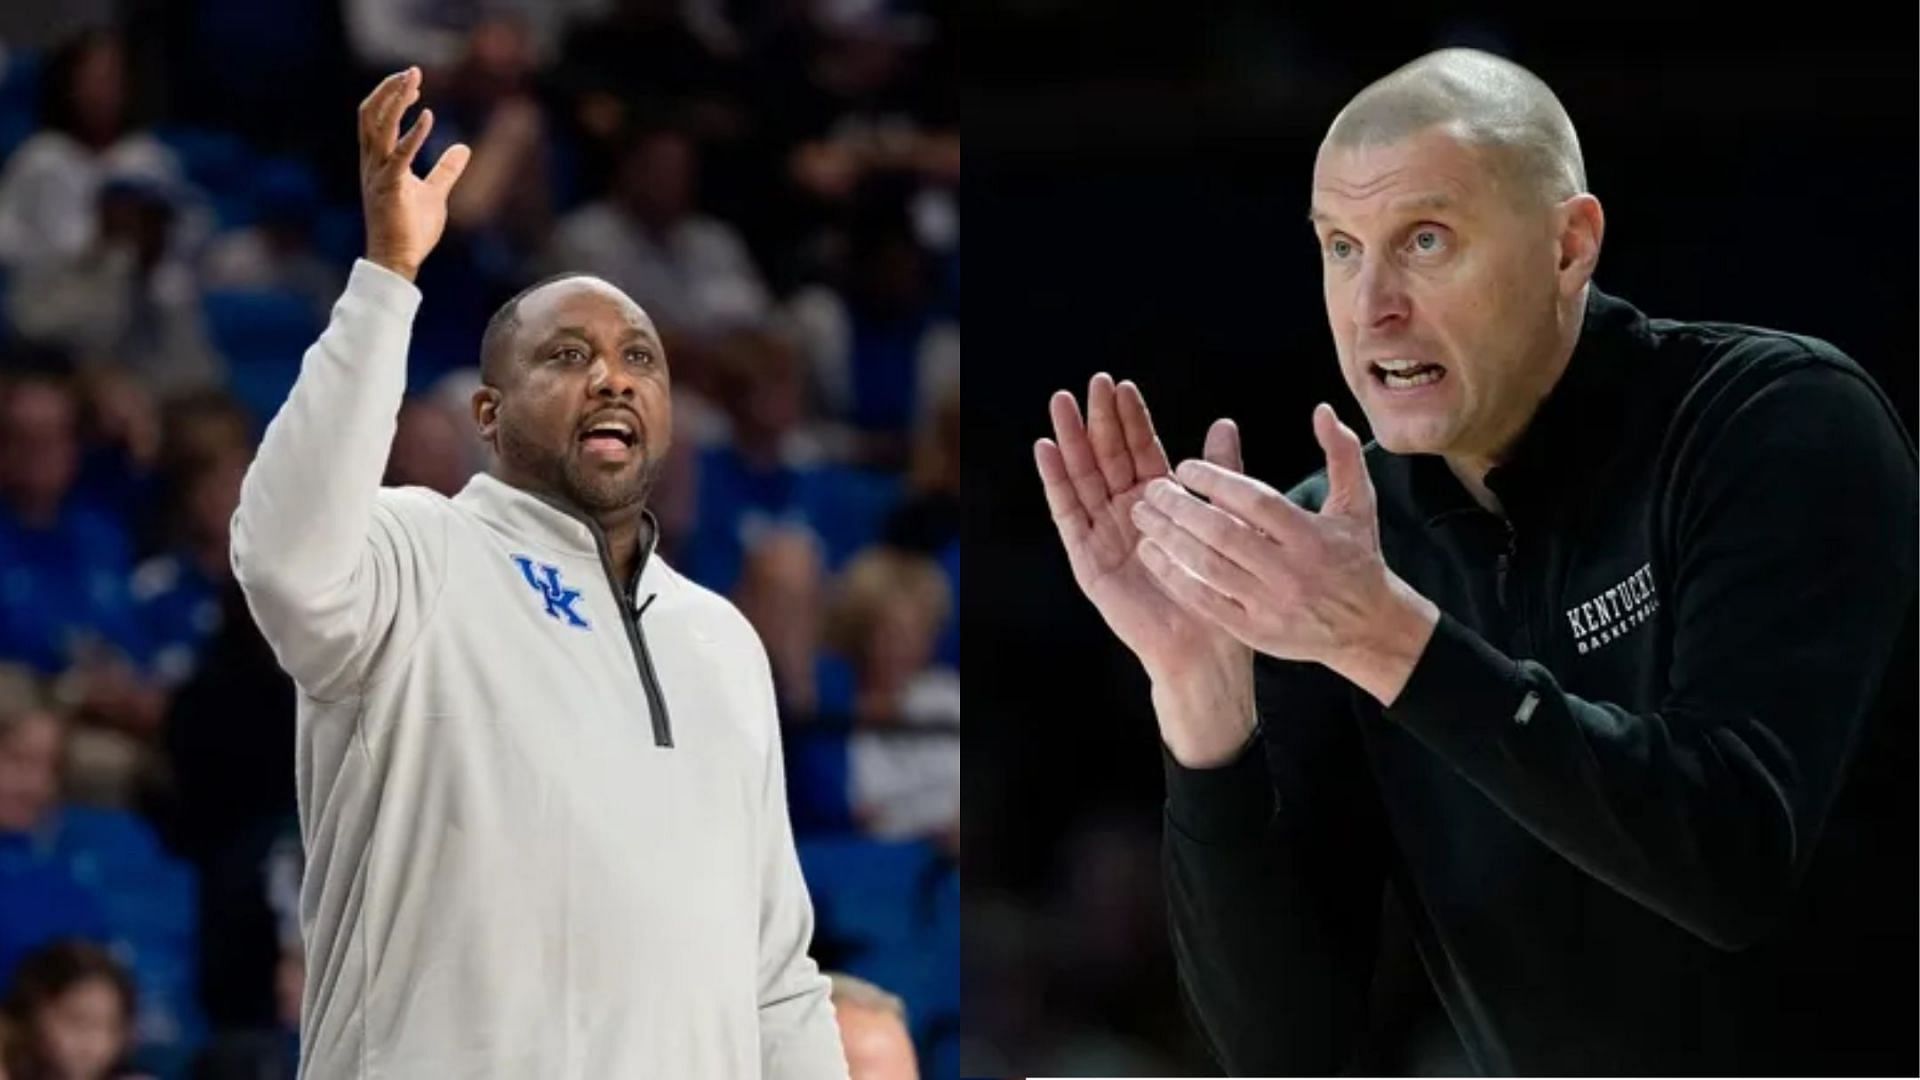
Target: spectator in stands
{"x": 881, "y": 351}
{"x": 505, "y": 200}
{"x": 763, "y": 475}
{"x": 882, "y": 623}
{"x": 120, "y": 451}
{"x": 390, "y": 34}
{"x": 676, "y": 493}
{"x": 65, "y": 608}
{"x": 63, "y": 566}
{"x": 647, "y": 52}
{"x": 50, "y": 186}
{"x": 228, "y": 724}
{"x": 40, "y": 900}
{"x": 692, "y": 273}
{"x": 129, "y": 297}
{"x": 500, "y": 217}
{"x": 780, "y": 593}
{"x": 888, "y": 606}
{"x": 852, "y": 97}
{"x": 673, "y": 58}
{"x": 873, "y": 1028}
{"x": 68, "y": 869}
{"x": 928, "y": 520}
{"x": 264, "y": 1043}
{"x": 276, "y": 251}
{"x": 431, "y": 448}
{"x": 864, "y": 107}
{"x": 199, "y": 428}
{"x": 73, "y": 1006}
{"x": 177, "y": 594}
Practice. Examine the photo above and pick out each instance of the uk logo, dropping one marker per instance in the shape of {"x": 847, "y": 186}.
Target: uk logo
{"x": 545, "y": 580}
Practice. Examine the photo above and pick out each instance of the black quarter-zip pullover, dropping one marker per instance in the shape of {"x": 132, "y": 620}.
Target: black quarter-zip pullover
{"x": 1629, "y": 796}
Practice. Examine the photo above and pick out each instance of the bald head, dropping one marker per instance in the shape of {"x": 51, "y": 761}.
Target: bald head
{"x": 873, "y": 1030}
{"x": 566, "y": 351}
{"x": 1485, "y": 101}
{"x": 496, "y": 344}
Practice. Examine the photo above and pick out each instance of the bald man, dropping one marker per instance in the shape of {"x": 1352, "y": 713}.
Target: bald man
{"x": 540, "y": 780}
{"x": 873, "y": 1027}
{"x": 1573, "y": 660}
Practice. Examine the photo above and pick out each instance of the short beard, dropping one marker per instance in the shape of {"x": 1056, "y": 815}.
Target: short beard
{"x": 572, "y": 479}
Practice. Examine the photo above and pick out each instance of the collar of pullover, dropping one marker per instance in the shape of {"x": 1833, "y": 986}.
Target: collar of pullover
{"x": 549, "y": 523}
{"x": 1577, "y": 430}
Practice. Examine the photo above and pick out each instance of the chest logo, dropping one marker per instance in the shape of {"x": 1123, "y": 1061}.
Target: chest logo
{"x": 1616, "y": 612}
{"x": 544, "y": 579}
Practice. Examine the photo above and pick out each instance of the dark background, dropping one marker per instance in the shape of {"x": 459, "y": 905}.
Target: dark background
{"x": 1139, "y": 182}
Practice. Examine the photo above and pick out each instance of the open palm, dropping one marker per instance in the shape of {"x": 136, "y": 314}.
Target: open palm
{"x": 405, "y": 213}
{"x": 1094, "y": 474}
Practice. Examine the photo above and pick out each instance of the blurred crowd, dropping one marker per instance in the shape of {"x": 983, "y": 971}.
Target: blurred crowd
{"x": 775, "y": 182}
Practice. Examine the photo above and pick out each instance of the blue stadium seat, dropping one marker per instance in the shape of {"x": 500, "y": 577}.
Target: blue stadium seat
{"x": 863, "y": 890}
{"x": 20, "y": 79}
{"x": 263, "y": 333}
{"x": 151, "y": 903}
{"x": 894, "y": 908}
{"x": 818, "y": 792}
{"x": 218, "y": 161}
{"x": 834, "y": 683}
{"x": 19, "y": 98}
{"x": 340, "y": 234}
{"x": 848, "y": 508}
{"x": 284, "y": 188}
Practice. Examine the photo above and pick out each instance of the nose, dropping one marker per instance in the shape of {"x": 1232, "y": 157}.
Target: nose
{"x": 1381, "y": 295}
{"x": 610, "y": 380}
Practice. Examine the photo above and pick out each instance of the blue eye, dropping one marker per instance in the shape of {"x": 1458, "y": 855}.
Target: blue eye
{"x": 1340, "y": 247}
{"x": 1421, "y": 241}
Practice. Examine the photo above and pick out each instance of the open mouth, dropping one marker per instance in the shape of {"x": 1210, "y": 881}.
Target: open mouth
{"x": 612, "y": 436}
{"x": 1406, "y": 374}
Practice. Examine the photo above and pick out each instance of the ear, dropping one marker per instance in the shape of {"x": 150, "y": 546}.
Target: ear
{"x": 1583, "y": 225}
{"x": 486, "y": 412}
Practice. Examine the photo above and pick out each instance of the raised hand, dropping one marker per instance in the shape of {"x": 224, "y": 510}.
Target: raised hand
{"x": 405, "y": 214}
{"x": 1094, "y": 474}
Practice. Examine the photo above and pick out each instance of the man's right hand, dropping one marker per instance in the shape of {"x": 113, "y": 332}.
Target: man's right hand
{"x": 405, "y": 214}
{"x": 1094, "y": 474}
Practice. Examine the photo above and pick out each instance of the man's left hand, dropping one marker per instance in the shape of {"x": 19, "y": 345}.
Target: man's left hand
{"x": 1289, "y": 582}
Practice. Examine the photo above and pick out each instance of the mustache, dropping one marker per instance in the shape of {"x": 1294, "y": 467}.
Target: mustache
{"x": 616, "y": 412}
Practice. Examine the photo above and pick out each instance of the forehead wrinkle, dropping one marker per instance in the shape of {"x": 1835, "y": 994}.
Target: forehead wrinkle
{"x": 1448, "y": 192}
{"x": 574, "y": 318}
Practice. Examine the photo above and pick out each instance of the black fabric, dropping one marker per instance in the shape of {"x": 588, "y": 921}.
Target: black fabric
{"x": 1648, "y": 795}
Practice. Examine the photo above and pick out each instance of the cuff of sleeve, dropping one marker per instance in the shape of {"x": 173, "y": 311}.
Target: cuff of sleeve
{"x": 1222, "y": 804}
{"x": 1462, "y": 690}
{"x": 383, "y": 288}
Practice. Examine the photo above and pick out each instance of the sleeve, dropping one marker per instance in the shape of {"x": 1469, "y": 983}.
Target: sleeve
{"x": 799, "y": 1039}
{"x": 1275, "y": 866}
{"x": 1793, "y": 568}
{"x": 337, "y": 575}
